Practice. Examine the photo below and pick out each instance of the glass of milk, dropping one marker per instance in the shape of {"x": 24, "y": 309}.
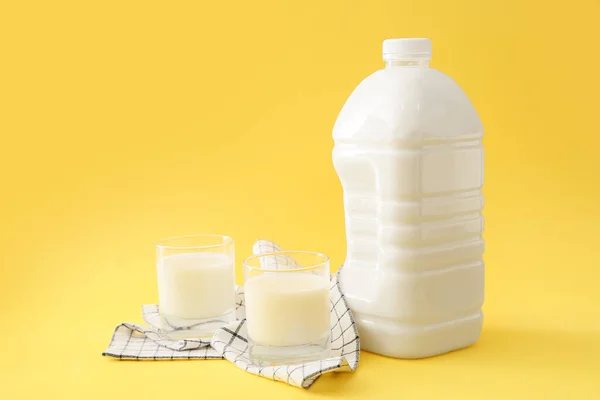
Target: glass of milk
{"x": 287, "y": 307}
{"x": 196, "y": 284}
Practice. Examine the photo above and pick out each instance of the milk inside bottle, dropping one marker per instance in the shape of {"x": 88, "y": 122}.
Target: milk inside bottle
{"x": 409, "y": 156}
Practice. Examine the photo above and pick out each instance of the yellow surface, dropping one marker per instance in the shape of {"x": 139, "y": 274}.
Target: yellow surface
{"x": 125, "y": 122}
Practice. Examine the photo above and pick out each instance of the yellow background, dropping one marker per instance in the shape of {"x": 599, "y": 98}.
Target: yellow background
{"x": 124, "y": 122}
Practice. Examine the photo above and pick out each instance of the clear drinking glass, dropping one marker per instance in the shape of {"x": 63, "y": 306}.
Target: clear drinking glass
{"x": 287, "y": 307}
{"x": 196, "y": 284}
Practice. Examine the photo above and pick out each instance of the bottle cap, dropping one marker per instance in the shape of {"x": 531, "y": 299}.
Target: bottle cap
{"x": 407, "y": 49}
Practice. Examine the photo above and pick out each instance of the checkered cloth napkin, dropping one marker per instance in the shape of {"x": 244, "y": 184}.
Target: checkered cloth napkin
{"x": 135, "y": 342}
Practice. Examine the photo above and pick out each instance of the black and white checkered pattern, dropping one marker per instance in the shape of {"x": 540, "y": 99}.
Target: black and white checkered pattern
{"x": 134, "y": 342}
{"x": 273, "y": 261}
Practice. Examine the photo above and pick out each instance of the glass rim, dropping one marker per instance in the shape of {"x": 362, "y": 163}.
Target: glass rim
{"x": 284, "y": 252}
{"x": 164, "y": 243}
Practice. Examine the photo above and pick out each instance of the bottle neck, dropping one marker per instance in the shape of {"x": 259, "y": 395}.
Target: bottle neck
{"x": 407, "y": 63}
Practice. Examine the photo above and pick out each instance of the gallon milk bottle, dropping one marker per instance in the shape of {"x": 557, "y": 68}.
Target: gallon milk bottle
{"x": 409, "y": 156}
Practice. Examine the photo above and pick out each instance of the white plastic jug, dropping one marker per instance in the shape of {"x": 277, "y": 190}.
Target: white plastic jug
{"x": 409, "y": 156}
